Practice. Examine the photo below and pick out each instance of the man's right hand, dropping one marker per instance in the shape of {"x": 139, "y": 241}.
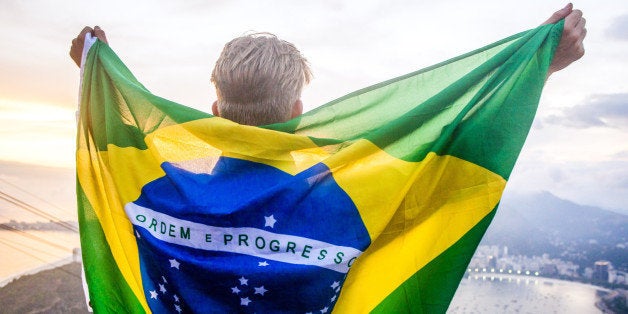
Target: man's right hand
{"x": 76, "y": 50}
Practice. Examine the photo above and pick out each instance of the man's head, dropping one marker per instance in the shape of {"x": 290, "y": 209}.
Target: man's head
{"x": 259, "y": 79}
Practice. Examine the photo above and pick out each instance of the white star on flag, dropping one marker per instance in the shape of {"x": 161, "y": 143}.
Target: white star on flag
{"x": 137, "y": 234}
{"x": 324, "y": 310}
{"x": 244, "y": 281}
{"x": 260, "y": 290}
{"x": 335, "y": 285}
{"x": 162, "y": 288}
{"x": 270, "y": 221}
{"x": 262, "y": 264}
{"x": 333, "y": 298}
{"x": 177, "y": 308}
{"x": 235, "y": 290}
{"x": 153, "y": 294}
{"x": 174, "y": 263}
{"x": 164, "y": 279}
{"x": 245, "y": 301}
{"x": 176, "y": 298}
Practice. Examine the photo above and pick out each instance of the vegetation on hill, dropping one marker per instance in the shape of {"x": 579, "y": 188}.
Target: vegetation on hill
{"x": 57, "y": 290}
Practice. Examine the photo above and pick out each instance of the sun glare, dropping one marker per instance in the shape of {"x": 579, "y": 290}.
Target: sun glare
{"x": 37, "y": 133}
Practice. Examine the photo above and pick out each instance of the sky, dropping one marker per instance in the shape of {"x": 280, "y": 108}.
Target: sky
{"x": 577, "y": 148}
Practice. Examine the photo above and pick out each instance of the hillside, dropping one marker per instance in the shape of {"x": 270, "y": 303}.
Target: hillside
{"x": 56, "y": 290}
{"x": 543, "y": 223}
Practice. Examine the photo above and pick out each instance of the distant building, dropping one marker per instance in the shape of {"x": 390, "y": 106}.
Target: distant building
{"x": 492, "y": 262}
{"x": 600, "y": 271}
{"x": 549, "y": 270}
{"x": 494, "y": 250}
{"x": 621, "y": 278}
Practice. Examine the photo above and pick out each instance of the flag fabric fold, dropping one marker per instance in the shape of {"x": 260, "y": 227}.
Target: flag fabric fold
{"x": 374, "y": 202}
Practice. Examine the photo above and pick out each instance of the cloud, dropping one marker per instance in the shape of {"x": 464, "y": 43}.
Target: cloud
{"x": 557, "y": 175}
{"x": 619, "y": 28}
{"x": 607, "y": 110}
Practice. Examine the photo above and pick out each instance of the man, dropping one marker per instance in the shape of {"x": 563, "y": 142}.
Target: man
{"x": 259, "y": 78}
{"x": 259, "y": 81}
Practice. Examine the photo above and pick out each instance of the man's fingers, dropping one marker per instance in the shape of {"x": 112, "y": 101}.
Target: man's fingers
{"x": 583, "y": 31}
{"x": 573, "y": 19}
{"x": 560, "y": 14}
{"x": 96, "y": 32}
{"x": 100, "y": 34}
{"x": 571, "y": 47}
{"x": 76, "y": 50}
{"x": 582, "y": 23}
{"x": 84, "y": 31}
{"x": 584, "y": 34}
{"x": 574, "y": 29}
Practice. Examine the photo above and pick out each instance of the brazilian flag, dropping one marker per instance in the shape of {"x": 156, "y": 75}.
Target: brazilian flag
{"x": 374, "y": 202}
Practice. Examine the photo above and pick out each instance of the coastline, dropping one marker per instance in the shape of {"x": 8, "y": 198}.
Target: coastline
{"x": 33, "y": 271}
{"x": 29, "y": 250}
{"x": 512, "y": 293}
{"x": 529, "y": 279}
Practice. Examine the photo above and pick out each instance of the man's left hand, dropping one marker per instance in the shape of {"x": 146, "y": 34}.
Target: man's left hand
{"x": 570, "y": 48}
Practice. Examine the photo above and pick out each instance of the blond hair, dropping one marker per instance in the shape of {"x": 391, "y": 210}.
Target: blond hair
{"x": 258, "y": 79}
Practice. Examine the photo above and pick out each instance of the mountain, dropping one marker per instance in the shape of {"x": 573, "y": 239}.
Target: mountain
{"x": 543, "y": 223}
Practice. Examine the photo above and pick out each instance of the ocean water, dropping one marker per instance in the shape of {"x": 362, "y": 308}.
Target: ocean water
{"x": 479, "y": 293}
{"x": 522, "y": 294}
